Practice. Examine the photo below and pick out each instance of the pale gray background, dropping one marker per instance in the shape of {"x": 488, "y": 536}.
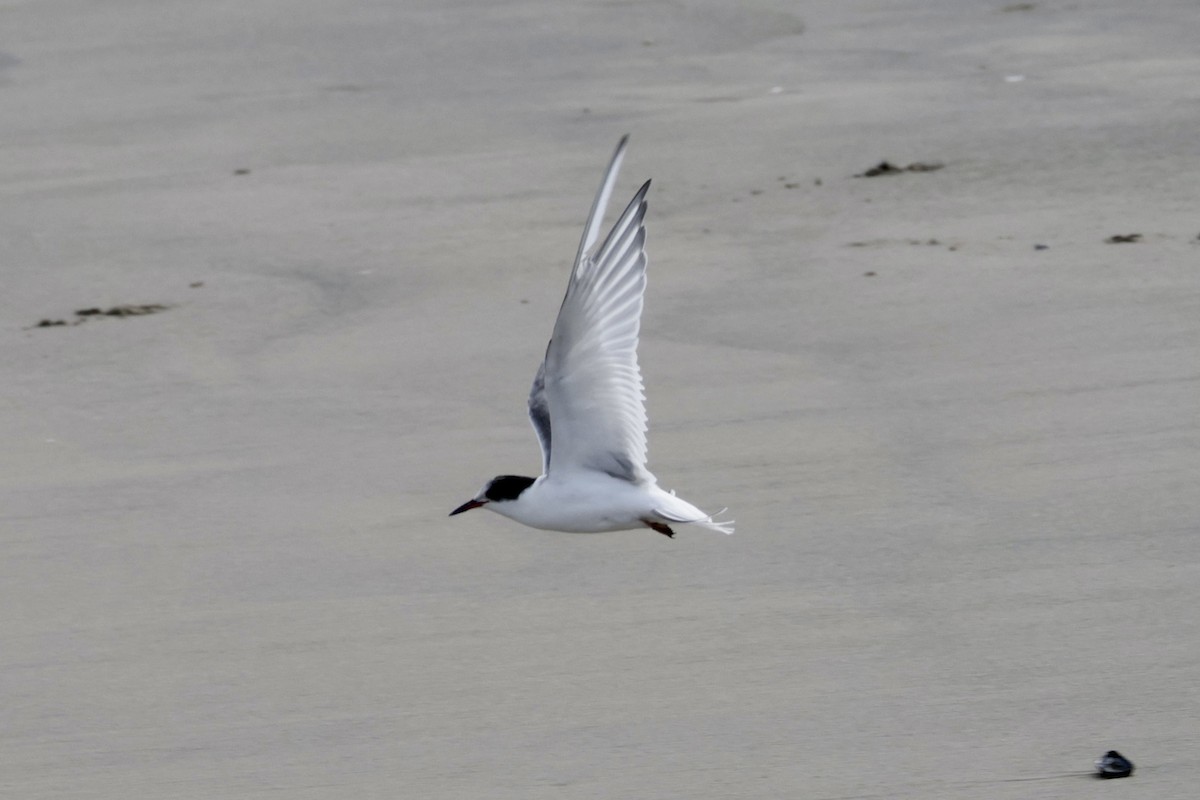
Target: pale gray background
{"x": 966, "y": 487}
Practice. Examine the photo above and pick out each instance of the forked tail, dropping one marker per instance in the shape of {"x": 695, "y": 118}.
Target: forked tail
{"x": 676, "y": 509}
{"x": 714, "y": 524}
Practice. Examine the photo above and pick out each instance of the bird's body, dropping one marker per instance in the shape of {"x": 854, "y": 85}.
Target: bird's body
{"x": 595, "y": 503}
{"x": 586, "y": 403}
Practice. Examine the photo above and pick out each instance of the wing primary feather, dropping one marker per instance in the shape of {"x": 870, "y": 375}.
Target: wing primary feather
{"x": 591, "y": 231}
{"x": 631, "y": 219}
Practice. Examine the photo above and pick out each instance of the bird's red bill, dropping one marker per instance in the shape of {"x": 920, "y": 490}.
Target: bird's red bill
{"x": 467, "y": 506}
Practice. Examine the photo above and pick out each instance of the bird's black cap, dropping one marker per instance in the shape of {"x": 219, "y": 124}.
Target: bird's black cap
{"x": 507, "y": 487}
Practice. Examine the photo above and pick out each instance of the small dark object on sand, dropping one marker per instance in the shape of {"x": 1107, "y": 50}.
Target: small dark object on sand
{"x": 882, "y": 168}
{"x": 1123, "y": 238}
{"x": 134, "y": 310}
{"x": 84, "y": 314}
{"x": 1113, "y": 765}
{"x": 122, "y": 311}
{"x": 888, "y": 168}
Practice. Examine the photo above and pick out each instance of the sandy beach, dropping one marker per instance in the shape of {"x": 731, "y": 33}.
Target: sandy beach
{"x": 953, "y": 409}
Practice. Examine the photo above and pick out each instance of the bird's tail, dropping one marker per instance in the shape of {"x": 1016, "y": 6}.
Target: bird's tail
{"x": 676, "y": 509}
{"x": 714, "y": 524}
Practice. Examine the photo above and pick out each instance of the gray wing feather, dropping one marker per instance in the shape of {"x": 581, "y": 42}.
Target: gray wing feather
{"x": 591, "y": 231}
{"x": 539, "y": 415}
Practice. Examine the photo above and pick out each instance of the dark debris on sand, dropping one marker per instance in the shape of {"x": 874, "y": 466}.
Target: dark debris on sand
{"x": 888, "y": 168}
{"x": 1113, "y": 765}
{"x": 121, "y": 311}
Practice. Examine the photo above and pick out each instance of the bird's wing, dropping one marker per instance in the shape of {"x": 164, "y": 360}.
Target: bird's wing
{"x": 588, "y": 391}
{"x": 539, "y": 408}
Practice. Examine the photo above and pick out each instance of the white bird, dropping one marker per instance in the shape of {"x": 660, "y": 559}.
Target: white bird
{"x": 587, "y": 405}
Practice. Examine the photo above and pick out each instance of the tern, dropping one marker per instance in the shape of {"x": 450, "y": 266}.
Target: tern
{"x": 587, "y": 403}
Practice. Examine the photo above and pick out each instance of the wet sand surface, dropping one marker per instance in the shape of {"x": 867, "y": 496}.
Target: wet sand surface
{"x": 956, "y": 425}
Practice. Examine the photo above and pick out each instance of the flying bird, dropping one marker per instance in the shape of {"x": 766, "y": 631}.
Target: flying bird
{"x": 587, "y": 403}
